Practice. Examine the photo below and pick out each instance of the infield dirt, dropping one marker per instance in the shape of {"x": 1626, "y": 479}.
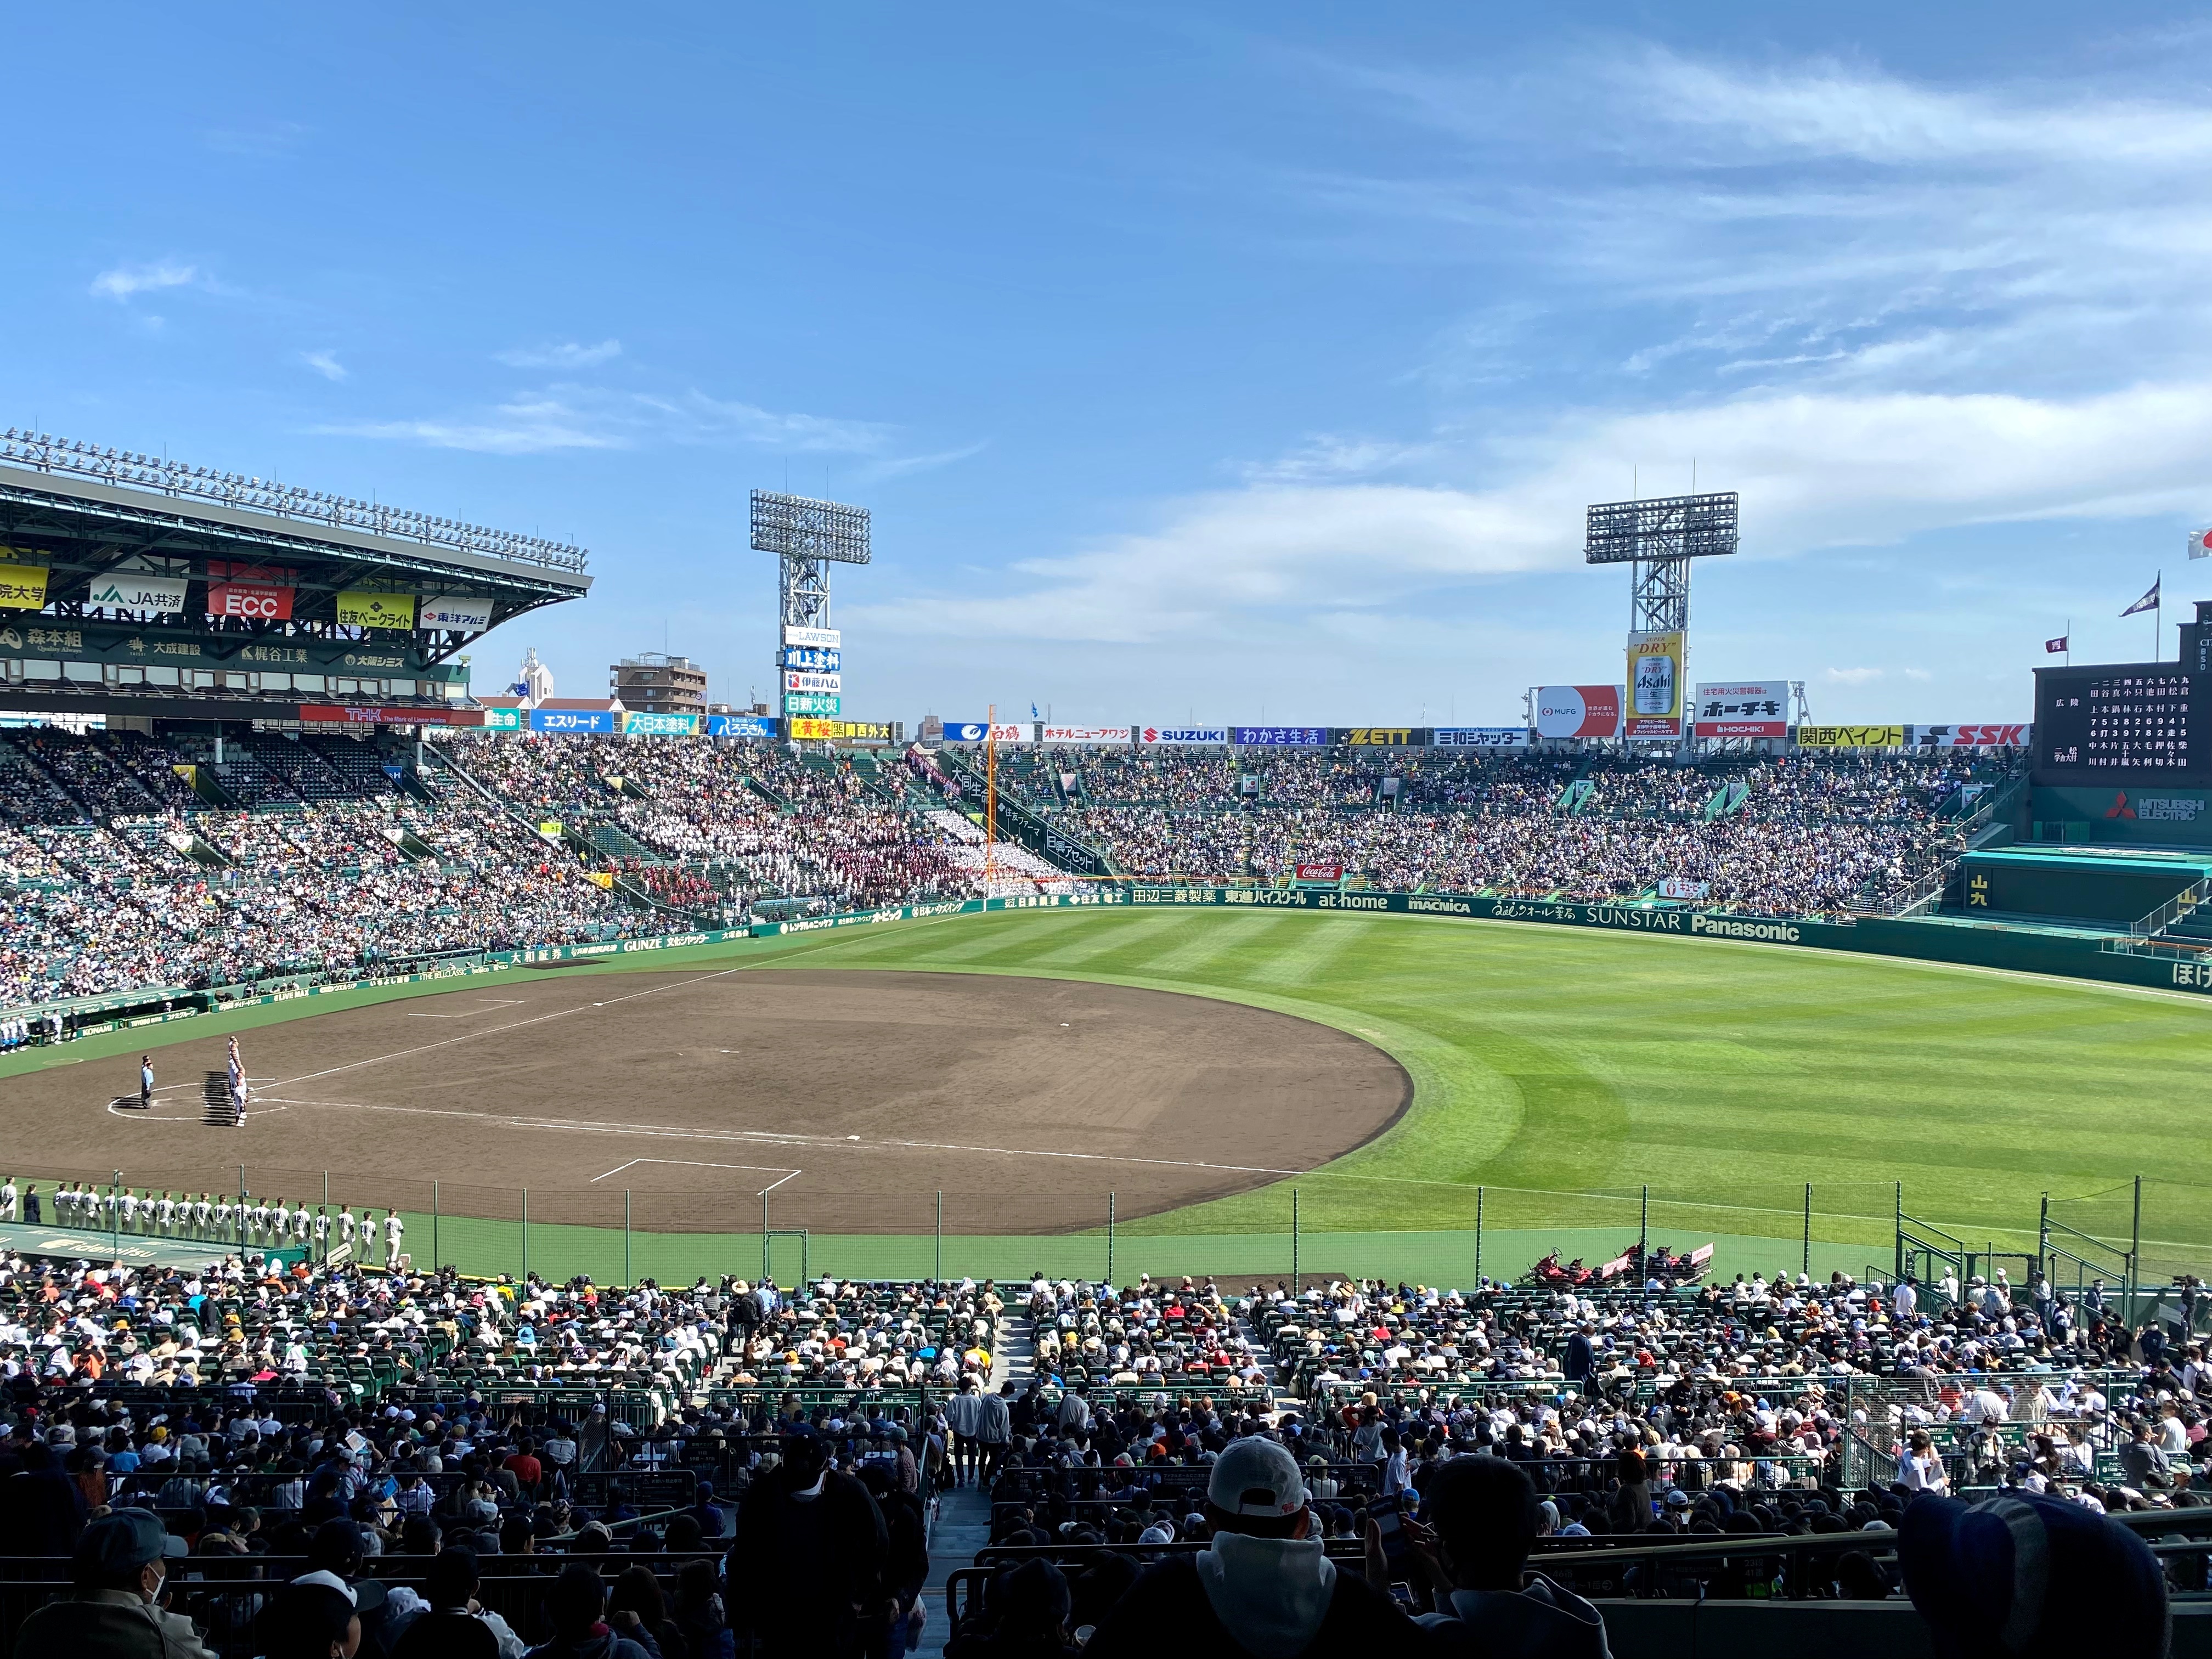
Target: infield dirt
{"x": 852, "y": 1098}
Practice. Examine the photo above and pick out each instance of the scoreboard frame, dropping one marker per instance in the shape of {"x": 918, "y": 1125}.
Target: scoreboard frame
{"x": 2090, "y": 731}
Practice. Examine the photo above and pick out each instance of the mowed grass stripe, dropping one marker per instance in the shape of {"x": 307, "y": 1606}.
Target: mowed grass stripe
{"x": 1555, "y": 1062}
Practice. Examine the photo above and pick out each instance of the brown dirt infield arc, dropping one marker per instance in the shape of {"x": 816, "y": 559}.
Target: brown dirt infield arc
{"x": 855, "y": 1096}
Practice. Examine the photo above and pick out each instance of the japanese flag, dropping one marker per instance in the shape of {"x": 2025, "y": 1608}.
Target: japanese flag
{"x": 2200, "y": 543}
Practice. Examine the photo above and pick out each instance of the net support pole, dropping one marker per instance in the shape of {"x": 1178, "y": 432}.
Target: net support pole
{"x": 1901, "y": 1231}
{"x": 1110, "y": 1238}
{"x": 1296, "y": 1282}
{"x": 1643, "y": 1226}
{"x": 2135, "y": 1248}
{"x": 241, "y": 1212}
{"x": 1478, "y": 1235}
{"x": 525, "y": 1236}
{"x": 940, "y": 1235}
{"x": 628, "y": 1278}
{"x": 115, "y": 1217}
{"x": 1805, "y": 1259}
{"x": 434, "y": 1225}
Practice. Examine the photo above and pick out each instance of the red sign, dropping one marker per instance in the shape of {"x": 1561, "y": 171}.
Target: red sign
{"x": 1329, "y": 873}
{"x": 329, "y": 713}
{"x": 1577, "y": 711}
{"x": 261, "y": 592}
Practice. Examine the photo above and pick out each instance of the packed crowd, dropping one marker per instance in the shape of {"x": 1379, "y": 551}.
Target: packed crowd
{"x": 1801, "y": 835}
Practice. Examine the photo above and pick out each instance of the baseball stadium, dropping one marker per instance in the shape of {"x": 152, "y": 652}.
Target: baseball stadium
{"x": 989, "y": 1107}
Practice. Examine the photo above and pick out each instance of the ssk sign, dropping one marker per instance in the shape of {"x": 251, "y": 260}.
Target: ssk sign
{"x": 1969, "y": 737}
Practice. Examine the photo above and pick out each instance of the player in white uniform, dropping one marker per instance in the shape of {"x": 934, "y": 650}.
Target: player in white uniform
{"x": 347, "y": 1228}
{"x": 394, "y": 1228}
{"x": 8, "y": 1197}
{"x": 224, "y": 1217}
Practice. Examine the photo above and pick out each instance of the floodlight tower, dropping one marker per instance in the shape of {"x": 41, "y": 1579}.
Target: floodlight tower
{"x": 807, "y": 537}
{"x": 1658, "y": 538}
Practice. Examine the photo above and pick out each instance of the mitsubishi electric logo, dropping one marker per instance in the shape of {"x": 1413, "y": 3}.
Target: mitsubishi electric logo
{"x": 2120, "y": 808}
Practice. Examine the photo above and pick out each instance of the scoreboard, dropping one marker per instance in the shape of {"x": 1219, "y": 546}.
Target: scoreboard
{"x": 2124, "y": 724}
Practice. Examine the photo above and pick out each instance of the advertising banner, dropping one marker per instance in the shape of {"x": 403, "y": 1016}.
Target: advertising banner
{"x": 352, "y": 714}
{"x": 643, "y": 723}
{"x": 22, "y": 587}
{"x": 1851, "y": 737}
{"x": 814, "y": 703}
{"x": 1380, "y": 737}
{"x": 1280, "y": 737}
{"x": 454, "y": 611}
{"x": 829, "y": 637}
{"x": 966, "y": 731}
{"x": 1655, "y": 686}
{"x": 814, "y": 659}
{"x": 740, "y": 726}
{"x": 1577, "y": 711}
{"x": 1330, "y": 873}
{"x": 137, "y": 590}
{"x": 263, "y": 593}
{"x": 1749, "y": 708}
{"x": 1480, "y": 736}
{"x": 360, "y": 608}
{"x": 813, "y": 682}
{"x": 573, "y": 720}
{"x": 1681, "y": 887}
{"x": 502, "y": 719}
{"x": 1086, "y": 734}
{"x": 1014, "y": 732}
{"x": 1182, "y": 734}
{"x": 1969, "y": 737}
{"x": 863, "y": 731}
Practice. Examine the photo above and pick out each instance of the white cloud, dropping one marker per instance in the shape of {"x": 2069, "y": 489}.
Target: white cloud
{"x": 569, "y": 417}
{"x": 1816, "y": 471}
{"x": 1325, "y": 456}
{"x": 567, "y": 355}
{"x": 324, "y": 363}
{"x": 125, "y": 282}
{"x": 1852, "y": 676}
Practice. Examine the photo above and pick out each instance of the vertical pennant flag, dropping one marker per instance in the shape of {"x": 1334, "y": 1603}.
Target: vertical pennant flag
{"x": 2149, "y": 602}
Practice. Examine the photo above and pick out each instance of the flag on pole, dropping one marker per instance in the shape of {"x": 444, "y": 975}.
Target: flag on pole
{"x": 2200, "y": 543}
{"x": 2149, "y": 602}
{"x": 2054, "y": 646}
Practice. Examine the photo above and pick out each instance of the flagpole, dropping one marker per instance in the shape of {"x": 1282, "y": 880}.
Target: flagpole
{"x": 2158, "y": 616}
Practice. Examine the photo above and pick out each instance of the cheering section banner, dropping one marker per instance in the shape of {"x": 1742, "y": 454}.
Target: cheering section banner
{"x": 454, "y": 611}
{"x": 1851, "y": 737}
{"x": 1655, "y": 686}
{"x": 1751, "y": 708}
{"x": 1577, "y": 711}
{"x": 360, "y": 608}
{"x": 1150, "y": 735}
{"x": 1085, "y": 734}
{"x": 1480, "y": 736}
{"x": 259, "y": 592}
{"x": 1279, "y": 737}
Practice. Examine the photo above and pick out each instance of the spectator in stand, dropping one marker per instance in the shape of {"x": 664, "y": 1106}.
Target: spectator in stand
{"x": 118, "y": 1570}
{"x": 1262, "y": 1586}
{"x": 1483, "y": 1518}
{"x": 574, "y": 1605}
{"x": 806, "y": 1571}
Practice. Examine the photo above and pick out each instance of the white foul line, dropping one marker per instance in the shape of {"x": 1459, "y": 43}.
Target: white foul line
{"x": 494, "y": 1031}
{"x": 765, "y": 1137}
{"x": 695, "y": 1163}
{"x": 772, "y": 1185}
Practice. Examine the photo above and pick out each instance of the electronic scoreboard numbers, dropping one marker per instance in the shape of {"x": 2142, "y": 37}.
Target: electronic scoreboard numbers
{"x": 2130, "y": 723}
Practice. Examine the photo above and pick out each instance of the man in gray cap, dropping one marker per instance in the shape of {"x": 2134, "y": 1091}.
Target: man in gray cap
{"x": 118, "y": 1572}
{"x": 1263, "y": 1583}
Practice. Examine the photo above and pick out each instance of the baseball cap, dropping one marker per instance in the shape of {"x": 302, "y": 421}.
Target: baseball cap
{"x": 2037, "y": 1575}
{"x": 123, "y": 1541}
{"x": 1255, "y": 1476}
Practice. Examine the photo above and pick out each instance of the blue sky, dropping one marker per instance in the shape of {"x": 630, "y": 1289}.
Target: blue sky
{"x": 1235, "y": 362}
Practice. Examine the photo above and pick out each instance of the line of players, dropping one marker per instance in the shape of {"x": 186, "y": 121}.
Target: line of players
{"x": 210, "y": 1218}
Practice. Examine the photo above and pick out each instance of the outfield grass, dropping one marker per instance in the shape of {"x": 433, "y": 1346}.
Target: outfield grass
{"x": 1562, "y": 1070}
